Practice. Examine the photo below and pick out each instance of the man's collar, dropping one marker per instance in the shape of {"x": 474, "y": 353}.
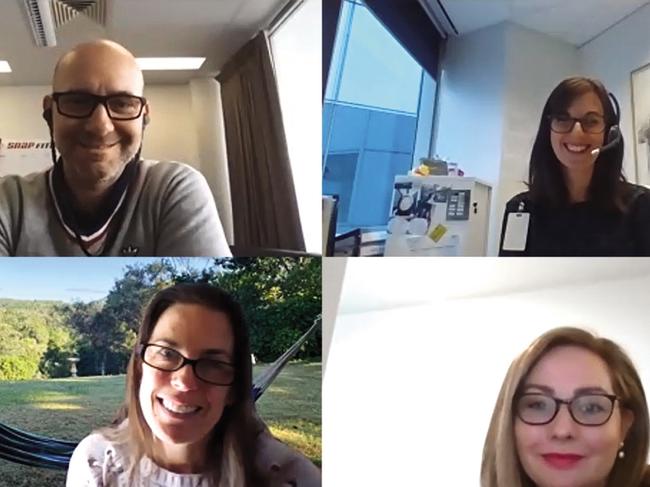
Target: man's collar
{"x": 84, "y": 224}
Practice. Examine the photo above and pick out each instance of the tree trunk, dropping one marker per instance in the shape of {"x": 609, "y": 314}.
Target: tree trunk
{"x": 103, "y": 366}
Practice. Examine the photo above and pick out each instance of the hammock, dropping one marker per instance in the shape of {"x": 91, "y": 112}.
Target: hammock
{"x": 39, "y": 451}
{"x": 263, "y": 381}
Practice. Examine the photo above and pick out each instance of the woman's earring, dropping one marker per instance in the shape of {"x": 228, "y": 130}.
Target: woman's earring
{"x": 621, "y": 453}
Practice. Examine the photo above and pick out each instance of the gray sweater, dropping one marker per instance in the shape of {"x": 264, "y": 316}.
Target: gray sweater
{"x": 168, "y": 211}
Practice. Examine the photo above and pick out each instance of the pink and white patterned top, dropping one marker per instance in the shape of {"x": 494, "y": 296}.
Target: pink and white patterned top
{"x": 96, "y": 462}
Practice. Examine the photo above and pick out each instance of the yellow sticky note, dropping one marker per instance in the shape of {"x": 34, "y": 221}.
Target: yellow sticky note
{"x": 438, "y": 232}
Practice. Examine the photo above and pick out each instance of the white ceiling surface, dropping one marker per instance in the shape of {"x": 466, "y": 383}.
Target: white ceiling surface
{"x": 214, "y": 29}
{"x": 574, "y": 21}
{"x": 421, "y": 281}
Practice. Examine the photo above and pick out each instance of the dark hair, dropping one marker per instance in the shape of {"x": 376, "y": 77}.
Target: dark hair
{"x": 608, "y": 188}
{"x": 234, "y": 436}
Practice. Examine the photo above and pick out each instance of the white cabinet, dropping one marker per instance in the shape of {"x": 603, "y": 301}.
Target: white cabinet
{"x": 438, "y": 216}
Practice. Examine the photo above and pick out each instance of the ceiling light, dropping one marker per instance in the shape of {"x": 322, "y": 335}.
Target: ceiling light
{"x": 169, "y": 63}
{"x": 4, "y": 67}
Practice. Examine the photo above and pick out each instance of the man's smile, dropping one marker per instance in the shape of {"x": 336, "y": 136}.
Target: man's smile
{"x": 94, "y": 146}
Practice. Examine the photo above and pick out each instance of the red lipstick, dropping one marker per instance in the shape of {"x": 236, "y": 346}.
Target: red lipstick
{"x": 562, "y": 461}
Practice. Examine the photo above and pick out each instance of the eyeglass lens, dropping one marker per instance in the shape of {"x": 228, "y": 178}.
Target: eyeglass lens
{"x": 587, "y": 410}
{"x": 209, "y": 370}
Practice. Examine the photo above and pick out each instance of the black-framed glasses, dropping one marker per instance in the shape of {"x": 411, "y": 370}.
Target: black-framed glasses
{"x": 592, "y": 123}
{"x": 208, "y": 370}
{"x": 78, "y": 104}
{"x": 586, "y": 409}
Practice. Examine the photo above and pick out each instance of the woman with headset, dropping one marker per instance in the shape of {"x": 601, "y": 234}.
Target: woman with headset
{"x": 578, "y": 202}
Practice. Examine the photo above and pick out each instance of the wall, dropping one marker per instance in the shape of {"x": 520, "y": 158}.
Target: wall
{"x": 333, "y": 274}
{"x": 471, "y": 101}
{"x": 211, "y": 140}
{"x": 470, "y": 112}
{"x": 186, "y": 126}
{"x": 171, "y": 135}
{"x": 20, "y": 112}
{"x": 414, "y": 388}
{"x": 612, "y": 57}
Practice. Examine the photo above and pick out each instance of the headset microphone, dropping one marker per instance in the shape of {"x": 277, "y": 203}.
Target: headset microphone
{"x": 613, "y": 138}
{"x": 614, "y": 135}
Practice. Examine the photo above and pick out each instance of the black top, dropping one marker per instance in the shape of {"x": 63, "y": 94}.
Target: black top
{"x": 583, "y": 229}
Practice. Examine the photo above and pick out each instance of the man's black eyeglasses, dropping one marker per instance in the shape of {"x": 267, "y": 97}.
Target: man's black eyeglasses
{"x": 208, "y": 370}
{"x": 76, "y": 104}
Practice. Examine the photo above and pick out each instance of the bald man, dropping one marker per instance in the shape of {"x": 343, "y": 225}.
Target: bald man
{"x": 100, "y": 198}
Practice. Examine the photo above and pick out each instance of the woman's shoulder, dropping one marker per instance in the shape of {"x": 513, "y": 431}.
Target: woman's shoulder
{"x": 95, "y": 459}
{"x": 282, "y": 465}
{"x": 636, "y": 190}
{"x": 105, "y": 439}
{"x": 636, "y": 199}
{"x": 93, "y": 443}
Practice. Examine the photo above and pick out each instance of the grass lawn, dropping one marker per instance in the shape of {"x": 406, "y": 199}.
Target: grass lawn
{"x": 70, "y": 408}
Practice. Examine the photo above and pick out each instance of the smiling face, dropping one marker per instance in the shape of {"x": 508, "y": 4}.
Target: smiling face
{"x": 96, "y": 149}
{"x": 573, "y": 149}
{"x": 179, "y": 408}
{"x": 564, "y": 453}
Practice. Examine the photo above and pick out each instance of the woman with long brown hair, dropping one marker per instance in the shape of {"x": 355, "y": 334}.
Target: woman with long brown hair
{"x": 571, "y": 412}
{"x": 578, "y": 201}
{"x": 189, "y": 417}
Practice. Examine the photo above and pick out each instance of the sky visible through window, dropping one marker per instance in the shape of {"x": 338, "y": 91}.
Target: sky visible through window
{"x": 370, "y": 117}
{"x": 370, "y": 67}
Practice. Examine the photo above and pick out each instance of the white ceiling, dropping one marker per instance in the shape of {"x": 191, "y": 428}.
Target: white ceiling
{"x": 214, "y": 29}
{"x": 370, "y": 284}
{"x": 574, "y": 21}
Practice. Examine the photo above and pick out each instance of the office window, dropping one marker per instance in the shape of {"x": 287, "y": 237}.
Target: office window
{"x": 377, "y": 117}
{"x": 296, "y": 48}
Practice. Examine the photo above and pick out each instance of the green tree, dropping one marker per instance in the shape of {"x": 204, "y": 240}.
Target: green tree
{"x": 61, "y": 346}
{"x": 281, "y": 297}
{"x": 108, "y": 329}
{"x": 93, "y": 336}
{"x": 27, "y": 331}
{"x": 131, "y": 293}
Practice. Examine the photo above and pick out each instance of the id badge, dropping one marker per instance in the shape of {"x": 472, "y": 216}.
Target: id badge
{"x": 516, "y": 232}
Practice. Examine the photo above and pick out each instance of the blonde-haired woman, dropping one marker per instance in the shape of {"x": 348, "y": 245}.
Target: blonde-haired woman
{"x": 189, "y": 418}
{"x": 571, "y": 412}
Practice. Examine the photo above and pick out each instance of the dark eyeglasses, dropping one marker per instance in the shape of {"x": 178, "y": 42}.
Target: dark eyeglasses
{"x": 590, "y": 124}
{"x": 75, "y": 104}
{"x": 587, "y": 409}
{"x": 167, "y": 359}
